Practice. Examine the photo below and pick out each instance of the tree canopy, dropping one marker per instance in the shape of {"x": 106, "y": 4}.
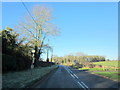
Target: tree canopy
{"x": 37, "y": 26}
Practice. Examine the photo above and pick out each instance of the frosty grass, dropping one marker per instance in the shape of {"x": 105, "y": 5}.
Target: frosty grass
{"x": 24, "y": 78}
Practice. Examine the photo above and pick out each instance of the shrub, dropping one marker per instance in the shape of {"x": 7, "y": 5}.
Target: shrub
{"x": 91, "y": 65}
{"x": 45, "y": 64}
{"x": 8, "y": 63}
{"x": 79, "y": 65}
{"x": 12, "y": 63}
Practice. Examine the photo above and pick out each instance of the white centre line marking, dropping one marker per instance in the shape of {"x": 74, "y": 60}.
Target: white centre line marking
{"x": 68, "y": 71}
{"x": 81, "y": 85}
{"x": 72, "y": 75}
{"x": 84, "y": 85}
{"x": 75, "y": 76}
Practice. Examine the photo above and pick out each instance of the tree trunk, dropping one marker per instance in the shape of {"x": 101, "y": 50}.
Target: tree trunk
{"x": 37, "y": 56}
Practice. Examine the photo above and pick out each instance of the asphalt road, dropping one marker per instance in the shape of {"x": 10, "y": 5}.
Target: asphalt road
{"x": 66, "y": 77}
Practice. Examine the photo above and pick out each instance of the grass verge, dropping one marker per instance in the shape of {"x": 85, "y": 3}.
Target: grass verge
{"x": 98, "y": 69}
{"x": 110, "y": 75}
{"x": 114, "y": 75}
{"x": 24, "y": 78}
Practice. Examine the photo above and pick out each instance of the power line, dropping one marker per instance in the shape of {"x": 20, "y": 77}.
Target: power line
{"x": 29, "y": 12}
{"x": 30, "y": 16}
{"x": 32, "y": 19}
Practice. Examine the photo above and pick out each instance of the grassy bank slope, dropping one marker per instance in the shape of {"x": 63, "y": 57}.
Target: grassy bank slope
{"x": 24, "y": 78}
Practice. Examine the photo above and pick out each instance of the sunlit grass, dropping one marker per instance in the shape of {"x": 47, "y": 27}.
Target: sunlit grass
{"x": 98, "y": 69}
{"x": 111, "y": 75}
{"x": 108, "y": 63}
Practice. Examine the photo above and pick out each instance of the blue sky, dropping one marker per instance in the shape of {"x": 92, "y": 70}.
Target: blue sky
{"x": 88, "y": 27}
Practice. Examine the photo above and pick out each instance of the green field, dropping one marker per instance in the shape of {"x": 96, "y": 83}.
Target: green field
{"x": 107, "y": 72}
{"x": 111, "y": 75}
{"x": 99, "y": 69}
{"x": 108, "y": 63}
{"x": 92, "y": 69}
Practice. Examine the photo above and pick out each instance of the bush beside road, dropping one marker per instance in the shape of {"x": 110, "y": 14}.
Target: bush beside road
{"x": 24, "y": 78}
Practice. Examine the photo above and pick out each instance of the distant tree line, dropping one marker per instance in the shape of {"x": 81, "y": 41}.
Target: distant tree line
{"x": 70, "y": 59}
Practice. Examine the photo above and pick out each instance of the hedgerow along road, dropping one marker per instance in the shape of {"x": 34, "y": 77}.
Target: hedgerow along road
{"x": 67, "y": 77}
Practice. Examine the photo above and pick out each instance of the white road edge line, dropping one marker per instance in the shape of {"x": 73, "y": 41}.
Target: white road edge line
{"x": 81, "y": 85}
{"x": 84, "y": 85}
{"x": 72, "y": 75}
{"x": 75, "y": 76}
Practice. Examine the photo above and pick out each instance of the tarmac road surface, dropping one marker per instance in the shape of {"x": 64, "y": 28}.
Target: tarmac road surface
{"x": 67, "y": 77}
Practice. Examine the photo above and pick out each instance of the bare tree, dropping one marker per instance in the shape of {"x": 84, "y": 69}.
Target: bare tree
{"x": 37, "y": 28}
